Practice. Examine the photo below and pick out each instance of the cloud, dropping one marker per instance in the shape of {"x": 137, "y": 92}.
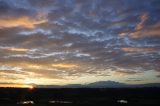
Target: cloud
{"x": 24, "y": 21}
{"x": 125, "y": 73}
{"x": 118, "y": 71}
{"x": 14, "y": 49}
{"x": 64, "y": 65}
{"x": 142, "y": 30}
{"x": 151, "y": 31}
{"x": 61, "y": 41}
{"x": 143, "y": 19}
{"x": 138, "y": 50}
{"x": 134, "y": 80}
{"x": 158, "y": 76}
{"x": 35, "y": 31}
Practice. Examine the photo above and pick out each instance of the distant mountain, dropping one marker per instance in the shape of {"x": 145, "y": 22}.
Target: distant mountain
{"x": 102, "y": 84}
{"x": 74, "y": 86}
{"x": 113, "y": 84}
{"x": 48, "y": 86}
{"x": 147, "y": 85}
{"x": 106, "y": 84}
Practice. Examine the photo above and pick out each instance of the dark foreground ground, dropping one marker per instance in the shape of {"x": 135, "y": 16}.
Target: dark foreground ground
{"x": 83, "y": 96}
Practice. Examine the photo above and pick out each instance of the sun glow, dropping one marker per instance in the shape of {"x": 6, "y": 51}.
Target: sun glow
{"x": 23, "y": 21}
{"x": 14, "y": 49}
{"x": 31, "y": 87}
{"x": 16, "y": 86}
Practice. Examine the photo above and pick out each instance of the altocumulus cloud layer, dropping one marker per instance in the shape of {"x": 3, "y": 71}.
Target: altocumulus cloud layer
{"x": 64, "y": 41}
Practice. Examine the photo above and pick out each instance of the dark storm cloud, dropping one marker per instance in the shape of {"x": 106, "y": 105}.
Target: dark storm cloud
{"x": 95, "y": 35}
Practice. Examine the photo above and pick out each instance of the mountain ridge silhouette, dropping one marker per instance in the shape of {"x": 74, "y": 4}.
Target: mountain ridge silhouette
{"x": 101, "y": 84}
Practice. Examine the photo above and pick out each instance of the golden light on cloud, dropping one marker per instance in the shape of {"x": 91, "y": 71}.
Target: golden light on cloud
{"x": 18, "y": 49}
{"x": 14, "y": 49}
{"x": 16, "y": 86}
{"x": 65, "y": 65}
{"x": 138, "y": 50}
{"x": 34, "y": 66}
{"x": 23, "y": 21}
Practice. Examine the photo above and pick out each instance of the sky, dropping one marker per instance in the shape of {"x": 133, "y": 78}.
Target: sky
{"x": 59, "y": 42}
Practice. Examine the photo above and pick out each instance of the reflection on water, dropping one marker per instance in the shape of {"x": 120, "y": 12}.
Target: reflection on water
{"x": 25, "y": 102}
{"x": 122, "y": 101}
{"x": 53, "y": 101}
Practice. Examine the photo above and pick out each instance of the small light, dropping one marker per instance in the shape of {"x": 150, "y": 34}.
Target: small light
{"x": 122, "y": 101}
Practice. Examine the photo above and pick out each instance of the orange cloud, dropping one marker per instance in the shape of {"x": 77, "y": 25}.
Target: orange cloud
{"x": 64, "y": 65}
{"x": 15, "y": 49}
{"x": 142, "y": 31}
{"x": 149, "y": 31}
{"x": 143, "y": 19}
{"x": 137, "y": 50}
{"x": 23, "y": 21}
